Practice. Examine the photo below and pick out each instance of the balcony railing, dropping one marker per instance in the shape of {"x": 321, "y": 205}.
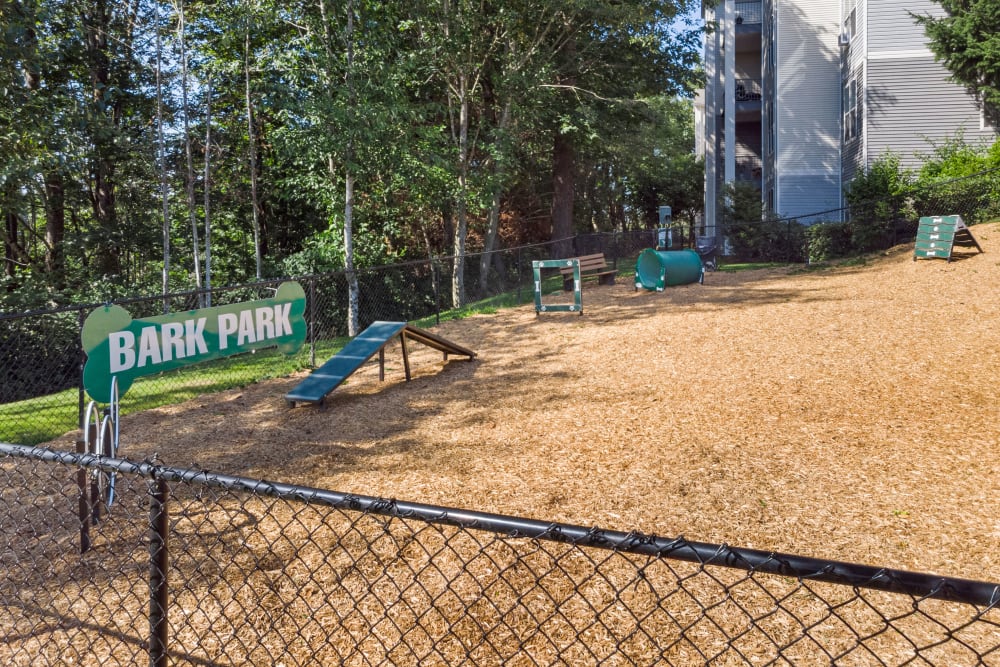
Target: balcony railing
{"x": 749, "y": 12}
{"x": 749, "y": 168}
{"x": 748, "y": 90}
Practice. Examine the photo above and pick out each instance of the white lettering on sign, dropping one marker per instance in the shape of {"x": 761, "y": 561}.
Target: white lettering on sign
{"x": 194, "y": 337}
{"x": 121, "y": 346}
{"x": 245, "y": 333}
{"x": 149, "y": 347}
{"x": 934, "y": 237}
{"x": 265, "y": 323}
{"x": 282, "y": 325}
{"x": 227, "y": 327}
{"x": 179, "y": 340}
{"x": 173, "y": 340}
{"x": 932, "y": 252}
{"x": 255, "y": 325}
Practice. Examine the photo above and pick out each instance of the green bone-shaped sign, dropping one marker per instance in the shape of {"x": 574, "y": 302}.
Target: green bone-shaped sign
{"x": 118, "y": 346}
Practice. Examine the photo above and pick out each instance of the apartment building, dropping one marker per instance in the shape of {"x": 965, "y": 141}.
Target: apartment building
{"x": 802, "y": 94}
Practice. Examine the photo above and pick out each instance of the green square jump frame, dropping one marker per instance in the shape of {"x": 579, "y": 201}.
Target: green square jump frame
{"x": 536, "y": 268}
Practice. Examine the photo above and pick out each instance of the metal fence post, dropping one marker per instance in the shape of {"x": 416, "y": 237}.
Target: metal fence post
{"x": 83, "y": 362}
{"x": 84, "y": 488}
{"x": 788, "y": 243}
{"x": 518, "y": 269}
{"x": 436, "y": 282}
{"x": 312, "y": 321}
{"x": 159, "y": 524}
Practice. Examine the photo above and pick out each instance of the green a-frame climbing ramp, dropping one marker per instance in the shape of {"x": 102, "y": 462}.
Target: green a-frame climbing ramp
{"x": 938, "y": 235}
{"x": 373, "y": 340}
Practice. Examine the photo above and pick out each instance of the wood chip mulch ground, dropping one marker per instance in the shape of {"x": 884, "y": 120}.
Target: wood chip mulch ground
{"x": 850, "y": 412}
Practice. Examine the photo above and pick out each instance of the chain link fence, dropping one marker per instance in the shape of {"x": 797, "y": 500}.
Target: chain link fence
{"x": 866, "y": 226}
{"x": 41, "y": 359}
{"x": 188, "y": 567}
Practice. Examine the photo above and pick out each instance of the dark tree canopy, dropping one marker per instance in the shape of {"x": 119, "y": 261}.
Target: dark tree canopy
{"x": 319, "y": 135}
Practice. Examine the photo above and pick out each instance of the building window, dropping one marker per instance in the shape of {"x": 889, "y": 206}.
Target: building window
{"x": 850, "y": 25}
{"x": 850, "y": 106}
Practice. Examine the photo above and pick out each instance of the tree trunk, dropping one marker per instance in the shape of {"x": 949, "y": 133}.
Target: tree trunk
{"x": 492, "y": 228}
{"x": 493, "y": 223}
{"x": 55, "y": 227}
{"x": 207, "y": 184}
{"x": 97, "y": 26}
{"x": 563, "y": 159}
{"x": 461, "y": 212}
{"x": 252, "y": 138}
{"x": 162, "y": 159}
{"x": 9, "y": 243}
{"x": 188, "y": 155}
{"x": 353, "y": 297}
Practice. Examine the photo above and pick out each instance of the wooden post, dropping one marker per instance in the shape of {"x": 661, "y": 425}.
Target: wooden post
{"x": 406, "y": 357}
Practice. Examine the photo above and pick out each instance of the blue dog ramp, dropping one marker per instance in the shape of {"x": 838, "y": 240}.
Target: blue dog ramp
{"x": 371, "y": 341}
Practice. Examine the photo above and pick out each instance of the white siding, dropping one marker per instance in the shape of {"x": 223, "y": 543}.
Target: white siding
{"x": 811, "y": 198}
{"x": 910, "y": 104}
{"x": 891, "y": 28}
{"x": 807, "y": 106}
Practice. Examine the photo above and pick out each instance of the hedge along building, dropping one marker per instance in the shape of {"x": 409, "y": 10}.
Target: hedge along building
{"x": 801, "y": 95}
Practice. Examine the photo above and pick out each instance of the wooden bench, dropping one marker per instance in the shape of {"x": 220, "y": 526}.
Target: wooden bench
{"x": 591, "y": 266}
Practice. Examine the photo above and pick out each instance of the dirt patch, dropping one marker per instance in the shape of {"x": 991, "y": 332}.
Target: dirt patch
{"x": 850, "y": 413}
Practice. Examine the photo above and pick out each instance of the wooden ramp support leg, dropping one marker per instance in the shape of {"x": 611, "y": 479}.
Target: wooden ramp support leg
{"x": 406, "y": 356}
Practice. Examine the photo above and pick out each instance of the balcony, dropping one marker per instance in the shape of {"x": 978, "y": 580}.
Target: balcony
{"x": 749, "y": 13}
{"x": 748, "y": 90}
{"x": 747, "y": 95}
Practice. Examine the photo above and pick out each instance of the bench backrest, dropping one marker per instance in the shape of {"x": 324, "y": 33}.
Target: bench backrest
{"x": 589, "y": 263}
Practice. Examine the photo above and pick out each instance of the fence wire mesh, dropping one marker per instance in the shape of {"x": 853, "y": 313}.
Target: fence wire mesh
{"x": 272, "y": 574}
{"x": 41, "y": 359}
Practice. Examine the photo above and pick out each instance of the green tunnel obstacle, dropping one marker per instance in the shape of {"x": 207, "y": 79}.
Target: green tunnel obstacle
{"x": 656, "y": 269}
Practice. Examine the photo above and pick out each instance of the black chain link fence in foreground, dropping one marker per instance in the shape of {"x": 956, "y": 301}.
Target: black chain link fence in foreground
{"x": 187, "y": 567}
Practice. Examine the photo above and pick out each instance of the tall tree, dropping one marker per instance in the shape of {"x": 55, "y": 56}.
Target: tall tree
{"x": 350, "y": 118}
{"x": 188, "y": 149}
{"x": 207, "y": 180}
{"x": 614, "y": 55}
{"x": 966, "y": 41}
{"x": 252, "y": 159}
{"x": 162, "y": 160}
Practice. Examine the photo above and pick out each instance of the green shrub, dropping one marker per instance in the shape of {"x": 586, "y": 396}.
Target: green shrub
{"x": 829, "y": 240}
{"x": 877, "y": 200}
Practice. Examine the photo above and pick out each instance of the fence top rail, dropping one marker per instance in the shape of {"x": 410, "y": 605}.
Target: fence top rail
{"x": 266, "y": 282}
{"x": 919, "y": 585}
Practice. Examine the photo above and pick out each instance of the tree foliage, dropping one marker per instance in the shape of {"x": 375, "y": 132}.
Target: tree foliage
{"x": 330, "y": 134}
